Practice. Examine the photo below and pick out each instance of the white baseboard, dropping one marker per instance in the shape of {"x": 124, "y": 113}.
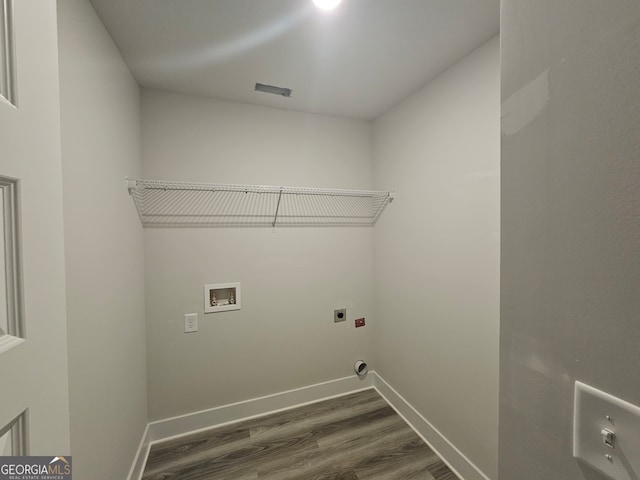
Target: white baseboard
{"x": 137, "y": 468}
{"x": 170, "y": 428}
{"x": 464, "y": 468}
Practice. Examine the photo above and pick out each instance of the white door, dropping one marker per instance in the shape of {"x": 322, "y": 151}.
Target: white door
{"x": 33, "y": 352}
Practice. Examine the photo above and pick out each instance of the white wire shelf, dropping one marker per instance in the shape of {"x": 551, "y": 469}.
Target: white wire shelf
{"x": 181, "y": 204}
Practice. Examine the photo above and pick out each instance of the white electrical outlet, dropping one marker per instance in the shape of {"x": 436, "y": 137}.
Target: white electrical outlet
{"x": 606, "y": 433}
{"x": 190, "y": 322}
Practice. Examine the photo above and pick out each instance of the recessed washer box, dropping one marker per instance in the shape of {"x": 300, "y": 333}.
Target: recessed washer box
{"x": 221, "y": 297}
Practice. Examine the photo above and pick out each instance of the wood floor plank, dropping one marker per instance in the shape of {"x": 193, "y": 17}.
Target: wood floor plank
{"x": 317, "y": 414}
{"x": 353, "y": 437}
{"x": 247, "y": 456}
{"x": 368, "y": 429}
{"x": 197, "y": 447}
{"x": 410, "y": 460}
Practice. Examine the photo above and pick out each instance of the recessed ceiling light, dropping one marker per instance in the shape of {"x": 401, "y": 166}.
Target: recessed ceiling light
{"x": 327, "y": 4}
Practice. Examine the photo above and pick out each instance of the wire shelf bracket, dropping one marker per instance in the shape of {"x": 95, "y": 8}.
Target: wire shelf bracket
{"x": 181, "y": 204}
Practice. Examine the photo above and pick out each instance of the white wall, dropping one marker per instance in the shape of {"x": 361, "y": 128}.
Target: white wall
{"x": 570, "y": 230}
{"x": 292, "y": 279}
{"x": 437, "y": 253}
{"x": 103, "y": 246}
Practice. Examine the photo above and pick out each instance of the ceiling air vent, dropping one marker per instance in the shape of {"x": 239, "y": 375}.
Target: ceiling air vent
{"x": 285, "y": 92}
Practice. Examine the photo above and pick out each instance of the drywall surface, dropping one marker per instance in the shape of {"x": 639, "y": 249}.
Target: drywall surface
{"x": 103, "y": 247}
{"x": 570, "y": 229}
{"x": 437, "y": 253}
{"x": 33, "y": 374}
{"x": 291, "y": 278}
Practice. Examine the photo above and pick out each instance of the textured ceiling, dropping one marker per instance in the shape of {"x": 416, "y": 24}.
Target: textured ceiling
{"x": 356, "y": 61}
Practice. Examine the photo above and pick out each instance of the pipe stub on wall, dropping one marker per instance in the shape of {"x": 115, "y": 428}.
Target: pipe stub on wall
{"x": 360, "y": 368}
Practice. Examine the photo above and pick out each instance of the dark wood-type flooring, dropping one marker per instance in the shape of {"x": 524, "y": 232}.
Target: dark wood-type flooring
{"x": 353, "y": 437}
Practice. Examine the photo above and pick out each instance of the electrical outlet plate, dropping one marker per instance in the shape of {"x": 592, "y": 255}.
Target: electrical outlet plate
{"x": 606, "y": 433}
{"x": 339, "y": 315}
{"x": 190, "y": 322}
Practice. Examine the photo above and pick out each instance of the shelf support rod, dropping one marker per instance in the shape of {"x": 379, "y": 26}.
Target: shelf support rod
{"x": 277, "y": 209}
{"x": 131, "y": 185}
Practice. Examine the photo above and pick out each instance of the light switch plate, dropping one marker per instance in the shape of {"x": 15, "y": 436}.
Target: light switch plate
{"x": 596, "y": 415}
{"x": 190, "y": 322}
